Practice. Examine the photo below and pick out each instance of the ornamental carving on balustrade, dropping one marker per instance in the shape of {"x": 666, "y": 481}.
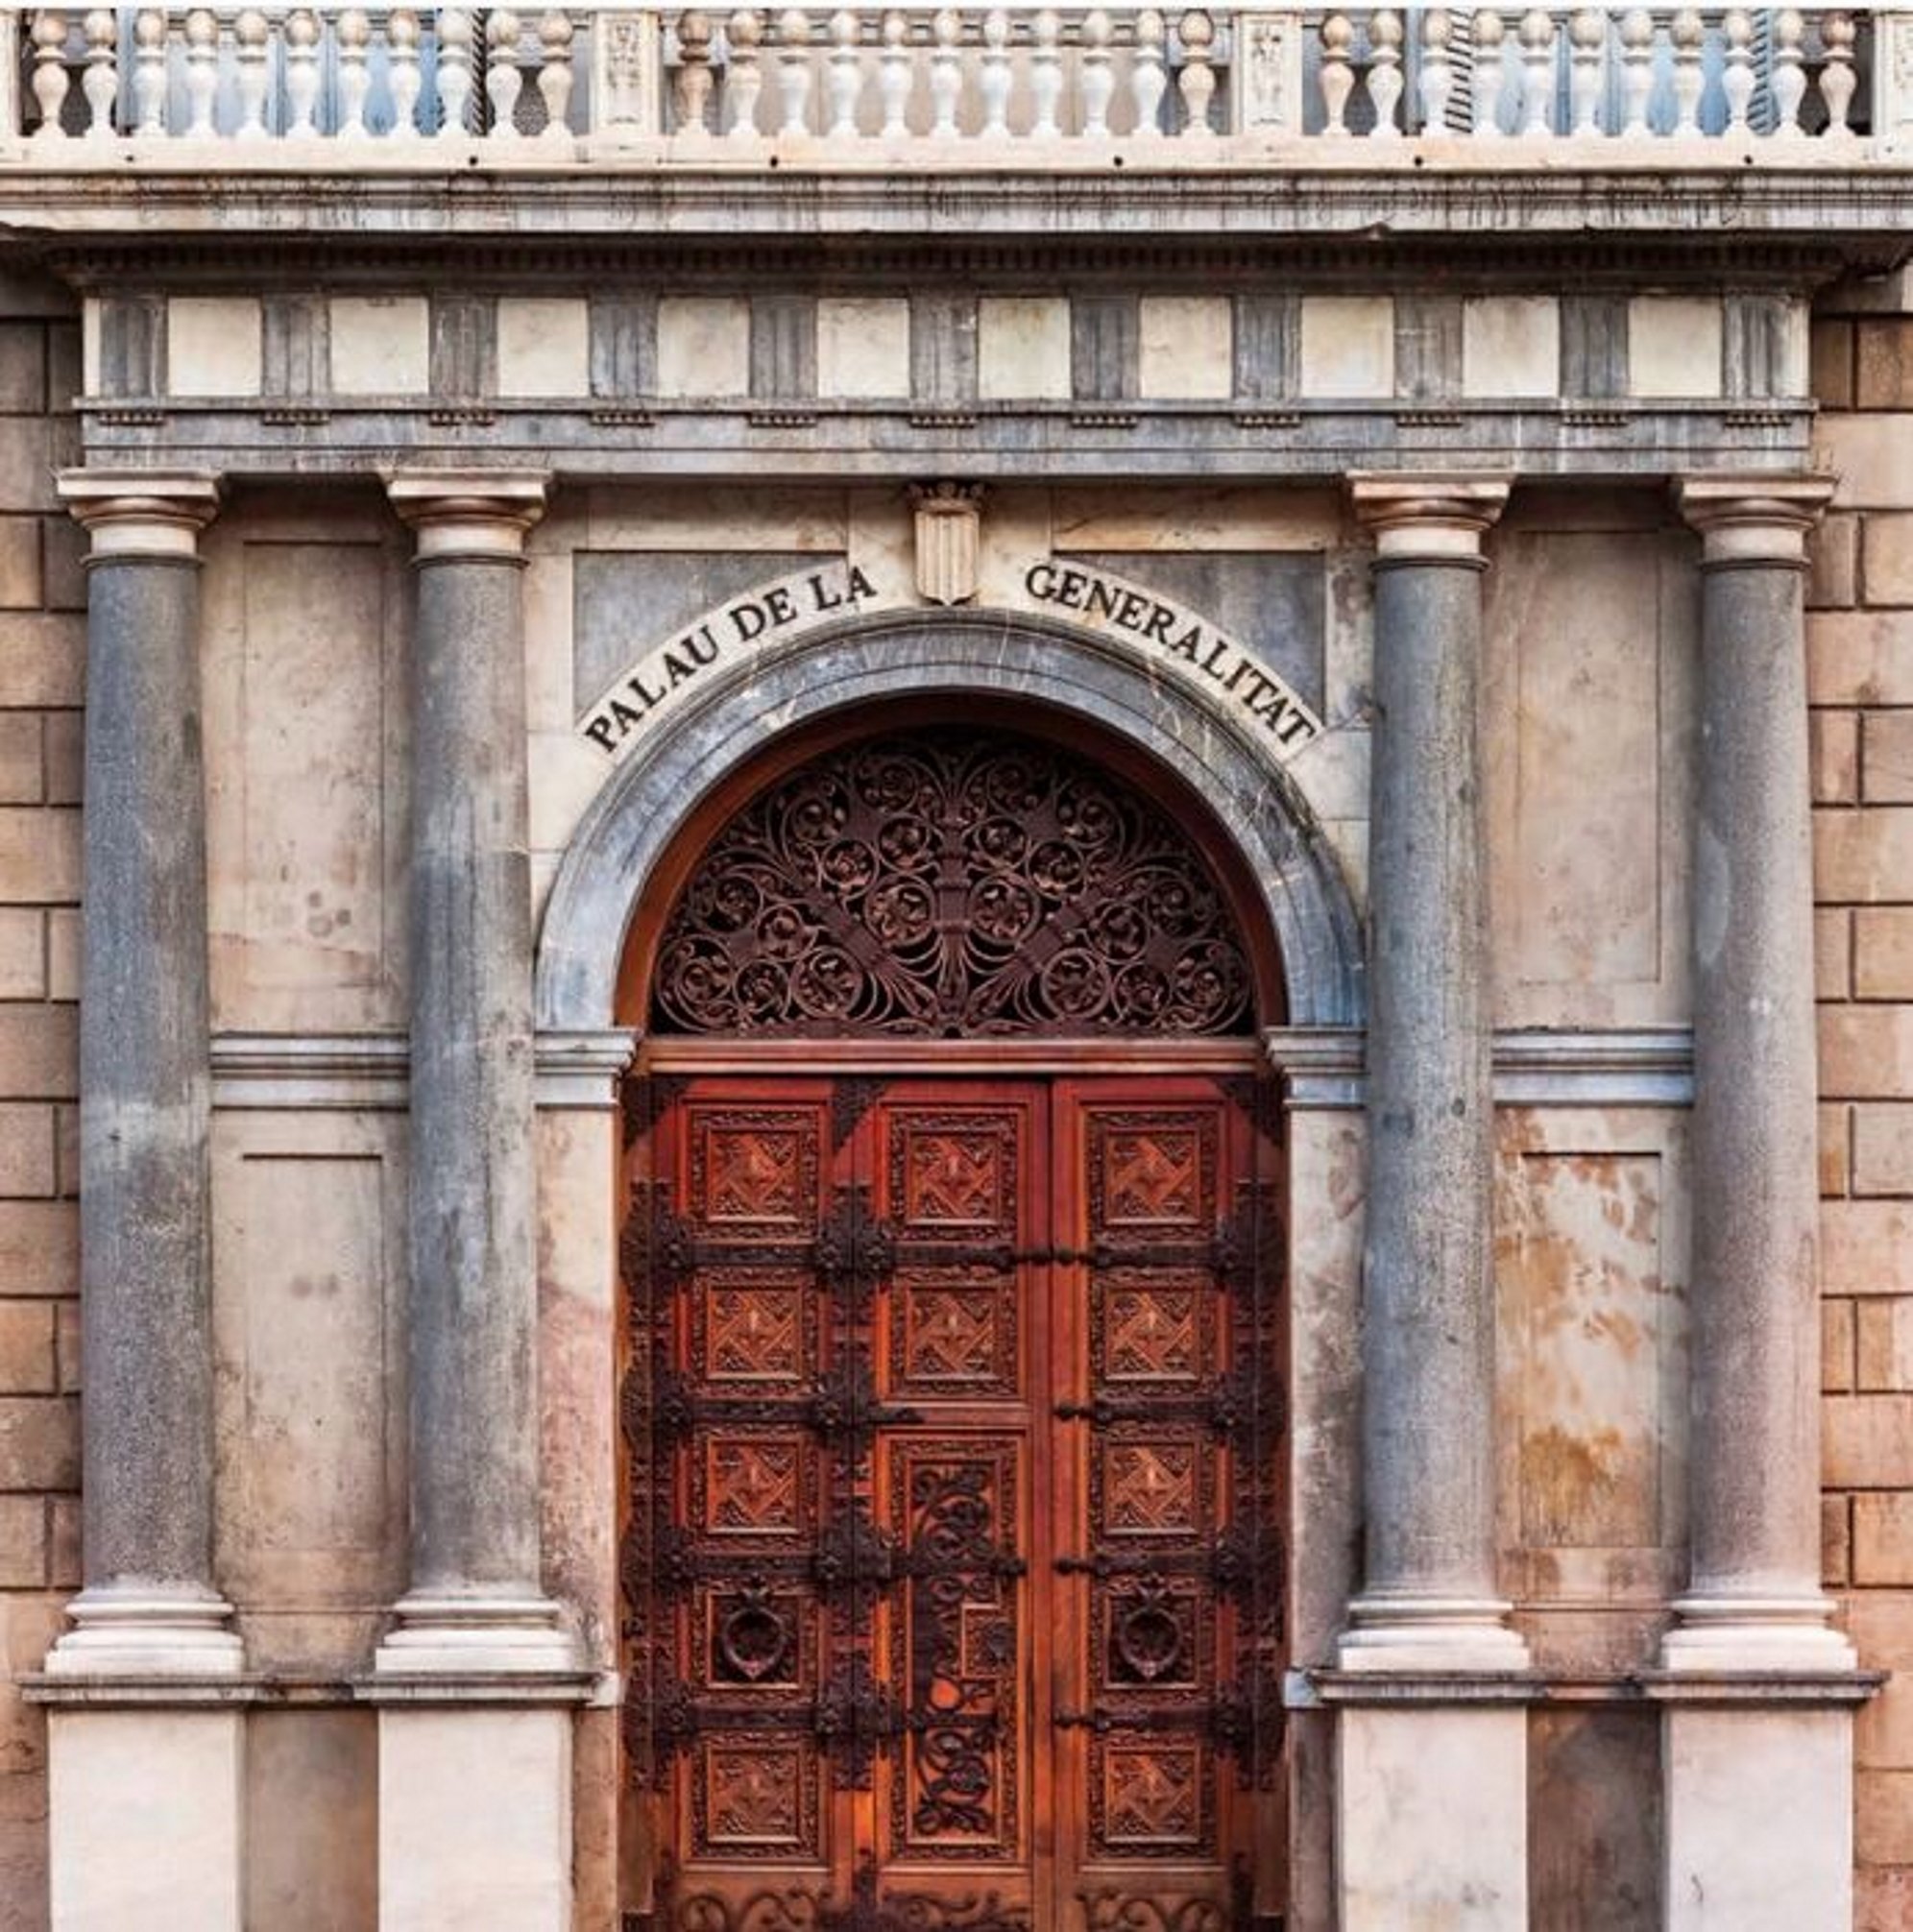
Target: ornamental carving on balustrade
{"x": 945, "y": 886}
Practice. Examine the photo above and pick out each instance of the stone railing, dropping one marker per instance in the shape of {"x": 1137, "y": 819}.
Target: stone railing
{"x": 929, "y": 89}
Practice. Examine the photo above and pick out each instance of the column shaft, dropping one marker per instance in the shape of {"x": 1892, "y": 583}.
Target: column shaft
{"x": 475, "y": 1480}
{"x": 1754, "y": 1439}
{"x": 1428, "y": 1335}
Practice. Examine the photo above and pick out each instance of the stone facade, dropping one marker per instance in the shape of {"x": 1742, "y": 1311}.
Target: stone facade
{"x": 43, "y": 626}
{"x": 1518, "y": 578}
{"x": 1856, "y": 599}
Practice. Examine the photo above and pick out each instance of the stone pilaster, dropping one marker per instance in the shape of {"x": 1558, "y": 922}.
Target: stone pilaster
{"x": 148, "y": 1605}
{"x": 1428, "y": 1600}
{"x": 475, "y": 1601}
{"x": 1753, "y": 1599}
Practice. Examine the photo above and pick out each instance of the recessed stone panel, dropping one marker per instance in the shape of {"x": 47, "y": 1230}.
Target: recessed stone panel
{"x": 544, "y": 347}
{"x": 1186, "y": 347}
{"x": 214, "y": 346}
{"x": 863, "y": 347}
{"x": 704, "y": 345}
{"x": 1511, "y": 345}
{"x": 1347, "y": 346}
{"x": 381, "y": 344}
{"x": 1674, "y": 346}
{"x": 1023, "y": 348}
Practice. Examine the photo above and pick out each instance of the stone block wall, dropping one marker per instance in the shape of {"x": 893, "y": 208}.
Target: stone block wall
{"x": 42, "y": 637}
{"x": 1860, "y": 671}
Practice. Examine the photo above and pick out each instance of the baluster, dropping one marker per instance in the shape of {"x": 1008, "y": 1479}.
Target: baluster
{"x": 893, "y": 75}
{"x": 100, "y": 82}
{"x": 250, "y": 32}
{"x": 555, "y": 79}
{"x": 692, "y": 88}
{"x": 793, "y": 68}
{"x": 1837, "y": 78}
{"x": 1690, "y": 31}
{"x": 149, "y": 71}
{"x": 202, "y": 72}
{"x": 1538, "y": 49}
{"x": 1491, "y": 57}
{"x": 844, "y": 75}
{"x": 1385, "y": 71}
{"x": 353, "y": 37}
{"x": 402, "y": 46}
{"x": 51, "y": 81}
{"x": 1098, "y": 82}
{"x": 946, "y": 73}
{"x": 1046, "y": 73}
{"x": 1637, "y": 72}
{"x": 1437, "y": 70}
{"x": 994, "y": 80}
{"x": 1789, "y": 77}
{"x": 1196, "y": 83}
{"x": 1148, "y": 80}
{"x": 1736, "y": 80}
{"x": 1338, "y": 75}
{"x": 743, "y": 79}
{"x": 503, "y": 80}
{"x": 456, "y": 38}
{"x": 1587, "y": 41}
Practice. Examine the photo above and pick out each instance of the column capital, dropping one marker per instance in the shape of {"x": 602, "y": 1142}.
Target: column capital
{"x": 1760, "y": 520}
{"x": 476, "y": 514}
{"x": 141, "y": 513}
{"x": 1431, "y": 516}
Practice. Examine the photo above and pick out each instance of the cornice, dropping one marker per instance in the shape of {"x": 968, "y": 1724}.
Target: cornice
{"x": 1788, "y": 224}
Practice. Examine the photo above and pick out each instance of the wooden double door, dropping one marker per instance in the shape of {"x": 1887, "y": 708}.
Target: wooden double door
{"x": 953, "y": 1556}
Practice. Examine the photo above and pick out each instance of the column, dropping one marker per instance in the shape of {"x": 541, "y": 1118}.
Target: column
{"x": 144, "y": 1744}
{"x": 1430, "y": 1739}
{"x": 475, "y": 1680}
{"x": 1758, "y": 1724}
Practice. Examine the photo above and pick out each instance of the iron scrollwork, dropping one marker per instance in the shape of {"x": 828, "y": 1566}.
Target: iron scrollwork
{"x": 948, "y": 886}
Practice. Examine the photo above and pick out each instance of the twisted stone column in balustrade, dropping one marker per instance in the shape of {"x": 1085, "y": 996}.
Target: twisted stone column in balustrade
{"x": 1428, "y": 1600}
{"x": 148, "y": 1605}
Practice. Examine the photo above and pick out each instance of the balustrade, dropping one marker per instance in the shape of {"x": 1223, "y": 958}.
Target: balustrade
{"x": 934, "y": 87}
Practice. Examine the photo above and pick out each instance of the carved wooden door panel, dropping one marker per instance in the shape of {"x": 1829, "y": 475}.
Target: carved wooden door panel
{"x": 1167, "y": 1749}
{"x": 949, "y": 1605}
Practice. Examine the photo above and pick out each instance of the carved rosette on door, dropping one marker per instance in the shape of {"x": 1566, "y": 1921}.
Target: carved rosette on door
{"x": 952, "y": 1563}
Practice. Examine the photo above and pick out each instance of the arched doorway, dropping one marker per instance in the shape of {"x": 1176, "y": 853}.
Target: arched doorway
{"x": 954, "y": 1499}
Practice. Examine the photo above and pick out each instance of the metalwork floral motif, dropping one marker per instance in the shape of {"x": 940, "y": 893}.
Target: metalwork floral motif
{"x": 948, "y": 884}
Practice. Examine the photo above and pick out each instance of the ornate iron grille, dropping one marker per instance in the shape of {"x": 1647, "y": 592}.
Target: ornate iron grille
{"x": 951, "y": 884}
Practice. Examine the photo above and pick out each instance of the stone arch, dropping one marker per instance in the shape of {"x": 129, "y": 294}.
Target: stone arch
{"x": 866, "y": 662}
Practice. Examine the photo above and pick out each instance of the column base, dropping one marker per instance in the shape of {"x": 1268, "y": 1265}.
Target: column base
{"x": 1737, "y": 1635}
{"x": 144, "y": 1824}
{"x": 1760, "y": 1818}
{"x": 1431, "y": 1808}
{"x": 122, "y": 1630}
{"x": 1421, "y": 1636}
{"x": 447, "y": 1634}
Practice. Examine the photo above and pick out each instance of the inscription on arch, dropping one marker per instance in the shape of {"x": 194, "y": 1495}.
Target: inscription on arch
{"x": 1181, "y": 648}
